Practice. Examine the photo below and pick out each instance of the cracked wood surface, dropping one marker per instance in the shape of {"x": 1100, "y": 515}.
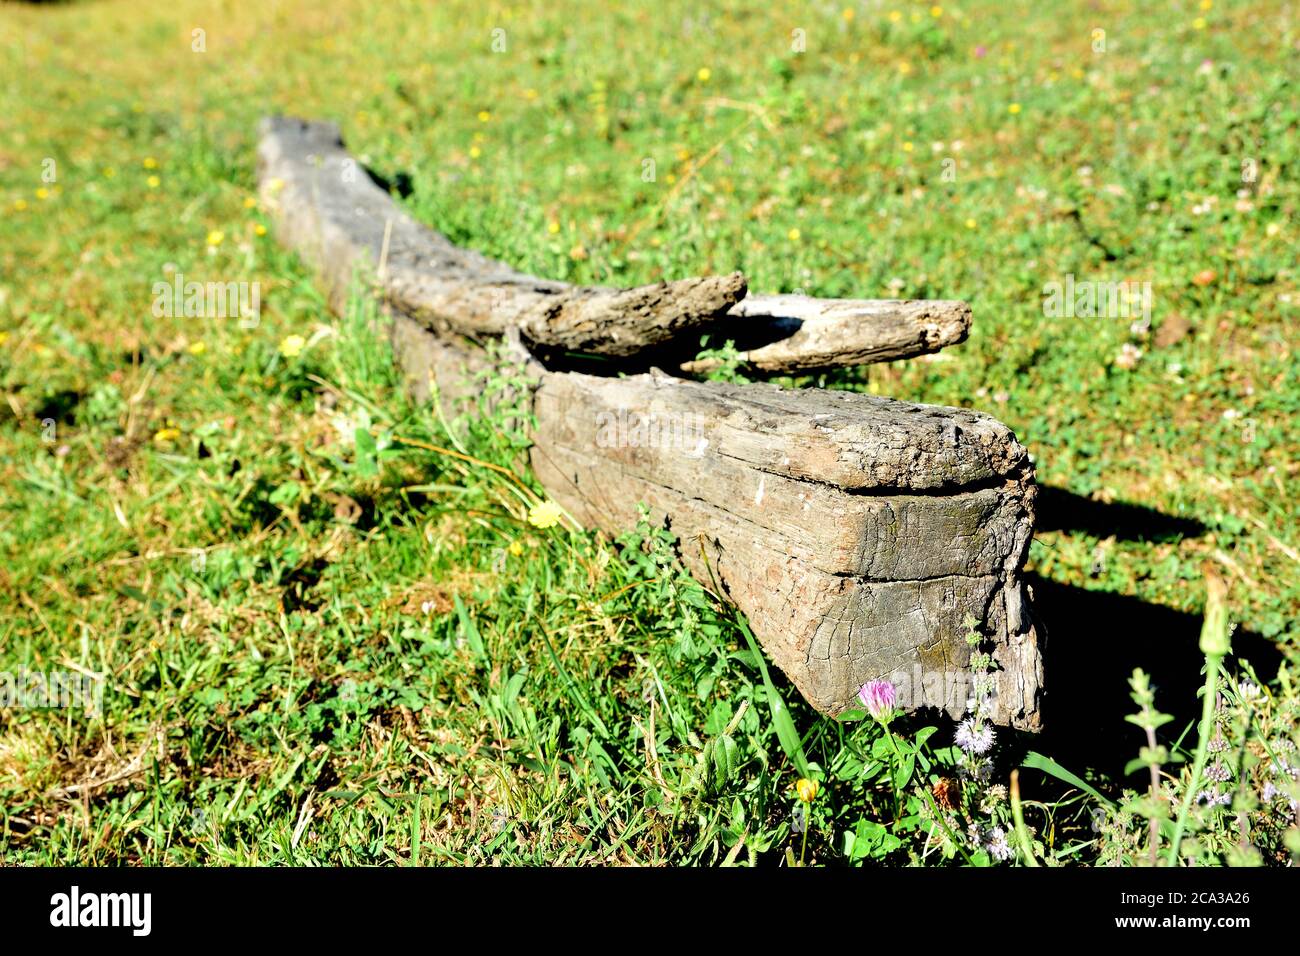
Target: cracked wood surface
{"x": 856, "y": 533}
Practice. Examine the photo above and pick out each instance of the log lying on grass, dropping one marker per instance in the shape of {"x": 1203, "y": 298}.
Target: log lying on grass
{"x": 345, "y": 222}
{"x": 855, "y": 533}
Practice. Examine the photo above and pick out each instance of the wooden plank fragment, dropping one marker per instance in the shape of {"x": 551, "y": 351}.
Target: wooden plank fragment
{"x": 803, "y": 334}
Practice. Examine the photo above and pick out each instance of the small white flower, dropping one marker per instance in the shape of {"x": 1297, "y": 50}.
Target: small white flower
{"x": 998, "y": 845}
{"x": 974, "y": 736}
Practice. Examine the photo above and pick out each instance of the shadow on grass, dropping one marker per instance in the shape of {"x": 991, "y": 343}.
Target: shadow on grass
{"x": 1094, "y": 639}
{"x": 1061, "y": 510}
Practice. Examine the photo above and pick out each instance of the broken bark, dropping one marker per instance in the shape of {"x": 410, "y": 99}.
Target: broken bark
{"x": 801, "y": 334}
{"x": 855, "y": 533}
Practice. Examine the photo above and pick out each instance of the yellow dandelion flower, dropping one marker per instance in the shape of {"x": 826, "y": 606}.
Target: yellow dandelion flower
{"x": 936, "y": 12}
{"x": 153, "y": 182}
{"x": 794, "y": 235}
{"x": 907, "y": 147}
{"x": 475, "y": 152}
{"x": 150, "y": 163}
{"x": 552, "y": 227}
{"x": 1013, "y": 109}
{"x": 20, "y": 204}
{"x": 516, "y": 548}
{"x": 530, "y": 94}
{"x": 109, "y": 172}
{"x": 259, "y": 229}
{"x": 42, "y": 193}
{"x": 197, "y": 348}
{"x": 703, "y": 74}
{"x": 216, "y": 237}
{"x": 250, "y": 202}
{"x": 904, "y": 67}
{"x": 168, "y": 434}
{"x": 1207, "y": 4}
{"x": 292, "y": 345}
{"x": 484, "y": 116}
{"x": 894, "y": 16}
{"x": 970, "y": 223}
{"x": 544, "y": 515}
{"x": 4, "y": 337}
{"x": 847, "y": 14}
{"x": 274, "y": 185}
{"x": 806, "y": 789}
{"x": 1199, "y": 23}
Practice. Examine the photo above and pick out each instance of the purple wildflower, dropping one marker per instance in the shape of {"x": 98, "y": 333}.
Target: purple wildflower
{"x": 878, "y": 697}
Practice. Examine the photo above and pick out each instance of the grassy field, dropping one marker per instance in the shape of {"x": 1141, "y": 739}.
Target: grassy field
{"x": 318, "y": 650}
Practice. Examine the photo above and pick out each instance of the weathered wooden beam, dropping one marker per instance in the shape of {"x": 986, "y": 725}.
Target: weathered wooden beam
{"x": 855, "y": 533}
{"x": 802, "y": 334}
{"x": 356, "y": 224}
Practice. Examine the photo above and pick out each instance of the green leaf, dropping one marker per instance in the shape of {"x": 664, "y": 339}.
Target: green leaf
{"x": 781, "y": 720}
{"x": 904, "y": 771}
{"x": 1037, "y": 761}
{"x": 719, "y": 762}
{"x": 1134, "y": 765}
{"x": 367, "y": 453}
{"x": 469, "y": 628}
{"x": 286, "y": 494}
{"x": 924, "y": 734}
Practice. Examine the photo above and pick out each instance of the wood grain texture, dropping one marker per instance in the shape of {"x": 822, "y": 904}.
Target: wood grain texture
{"x": 856, "y": 533}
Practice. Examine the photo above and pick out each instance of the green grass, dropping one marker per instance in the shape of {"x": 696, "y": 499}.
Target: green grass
{"x": 315, "y": 654}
